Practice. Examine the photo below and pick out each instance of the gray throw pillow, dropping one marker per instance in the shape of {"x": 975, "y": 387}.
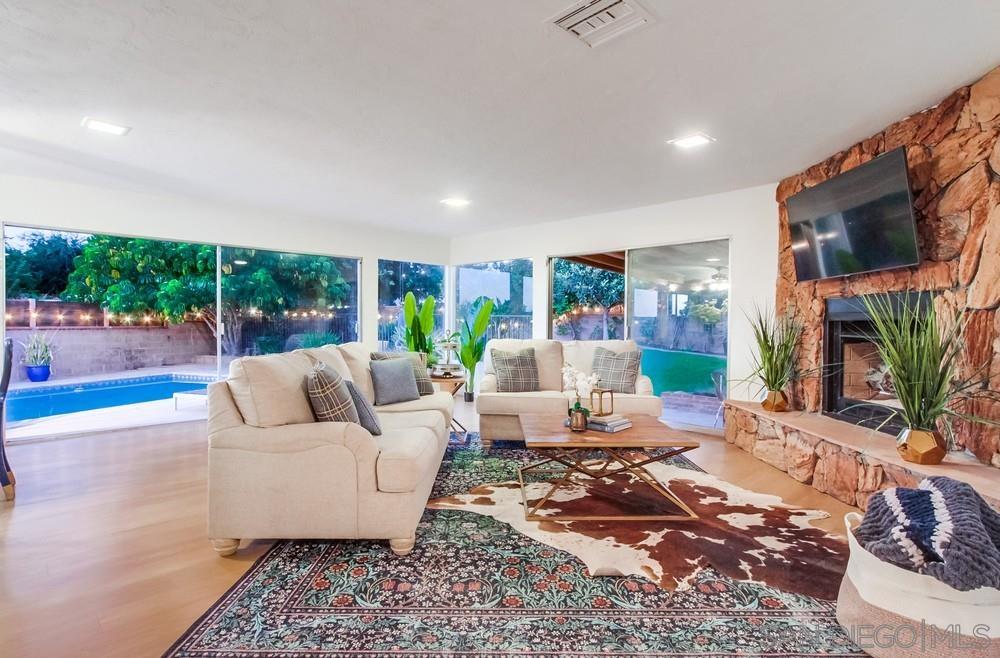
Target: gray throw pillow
{"x": 617, "y": 370}
{"x": 517, "y": 372}
{"x": 366, "y": 412}
{"x": 329, "y": 396}
{"x": 424, "y": 384}
{"x": 393, "y": 381}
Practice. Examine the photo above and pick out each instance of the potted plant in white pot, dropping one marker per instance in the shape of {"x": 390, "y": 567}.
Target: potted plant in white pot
{"x": 37, "y": 357}
{"x": 472, "y": 342}
{"x": 922, "y": 358}
{"x": 777, "y": 339}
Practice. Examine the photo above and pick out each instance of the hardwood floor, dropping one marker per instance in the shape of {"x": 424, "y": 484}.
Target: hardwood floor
{"x": 104, "y": 552}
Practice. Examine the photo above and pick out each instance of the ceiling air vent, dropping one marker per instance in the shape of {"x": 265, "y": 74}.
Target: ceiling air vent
{"x": 595, "y": 22}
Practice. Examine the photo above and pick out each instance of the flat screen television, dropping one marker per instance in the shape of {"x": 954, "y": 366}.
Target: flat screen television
{"x": 859, "y": 221}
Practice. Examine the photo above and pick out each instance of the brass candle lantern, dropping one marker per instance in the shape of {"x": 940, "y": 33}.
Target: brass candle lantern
{"x": 597, "y": 408}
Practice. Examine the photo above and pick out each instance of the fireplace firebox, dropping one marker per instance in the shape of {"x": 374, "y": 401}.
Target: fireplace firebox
{"x": 857, "y": 387}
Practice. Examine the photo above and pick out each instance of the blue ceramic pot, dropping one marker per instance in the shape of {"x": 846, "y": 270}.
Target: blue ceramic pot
{"x": 38, "y": 373}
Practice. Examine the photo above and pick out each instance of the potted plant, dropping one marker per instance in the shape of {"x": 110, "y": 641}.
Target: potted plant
{"x": 922, "y": 358}
{"x": 472, "y": 342}
{"x": 37, "y": 357}
{"x": 419, "y": 327}
{"x": 774, "y": 359}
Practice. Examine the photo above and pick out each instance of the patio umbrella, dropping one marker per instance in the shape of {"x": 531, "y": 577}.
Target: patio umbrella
{"x": 6, "y": 474}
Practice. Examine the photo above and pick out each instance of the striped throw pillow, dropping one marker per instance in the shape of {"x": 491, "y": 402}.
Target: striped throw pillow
{"x": 424, "y": 384}
{"x": 517, "y": 372}
{"x": 617, "y": 370}
{"x": 329, "y": 396}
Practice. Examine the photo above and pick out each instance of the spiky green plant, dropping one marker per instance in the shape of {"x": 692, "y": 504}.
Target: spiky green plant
{"x": 923, "y": 359}
{"x": 777, "y": 339}
{"x": 38, "y": 350}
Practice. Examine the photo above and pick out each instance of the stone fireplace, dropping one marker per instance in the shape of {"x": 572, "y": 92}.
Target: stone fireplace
{"x": 953, "y": 157}
{"x": 856, "y": 386}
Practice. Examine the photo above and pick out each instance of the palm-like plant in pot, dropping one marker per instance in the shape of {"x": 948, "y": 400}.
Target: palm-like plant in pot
{"x": 472, "y": 341}
{"x": 923, "y": 359}
{"x": 777, "y": 339}
{"x": 419, "y": 330}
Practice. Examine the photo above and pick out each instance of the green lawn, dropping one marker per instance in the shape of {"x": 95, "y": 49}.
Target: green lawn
{"x": 680, "y": 371}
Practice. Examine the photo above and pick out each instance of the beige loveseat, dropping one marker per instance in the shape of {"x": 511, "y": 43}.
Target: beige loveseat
{"x": 498, "y": 411}
{"x": 276, "y": 473}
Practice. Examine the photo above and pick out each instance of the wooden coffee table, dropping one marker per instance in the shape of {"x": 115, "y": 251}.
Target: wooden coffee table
{"x": 648, "y": 441}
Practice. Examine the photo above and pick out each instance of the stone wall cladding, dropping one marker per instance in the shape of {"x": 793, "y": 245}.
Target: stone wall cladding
{"x": 953, "y": 153}
{"x": 839, "y": 471}
{"x": 81, "y": 351}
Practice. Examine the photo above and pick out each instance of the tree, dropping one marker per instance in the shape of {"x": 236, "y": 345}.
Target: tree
{"x": 174, "y": 279}
{"x": 41, "y": 268}
{"x": 575, "y": 285}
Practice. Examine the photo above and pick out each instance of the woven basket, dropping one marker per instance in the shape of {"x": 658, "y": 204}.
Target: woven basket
{"x": 888, "y": 610}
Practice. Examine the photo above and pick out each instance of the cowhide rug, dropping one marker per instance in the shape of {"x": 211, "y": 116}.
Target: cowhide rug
{"x": 743, "y": 534}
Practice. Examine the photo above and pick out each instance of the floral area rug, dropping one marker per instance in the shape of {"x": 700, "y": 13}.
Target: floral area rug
{"x": 475, "y": 585}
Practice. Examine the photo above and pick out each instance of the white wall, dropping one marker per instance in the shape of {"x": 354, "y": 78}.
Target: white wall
{"x": 748, "y": 217}
{"x": 92, "y": 209}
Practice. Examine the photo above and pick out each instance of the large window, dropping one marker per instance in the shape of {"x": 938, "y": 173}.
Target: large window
{"x": 276, "y": 301}
{"x": 678, "y": 302}
{"x": 509, "y": 284}
{"x": 587, "y": 301}
{"x": 102, "y": 321}
{"x": 395, "y": 279}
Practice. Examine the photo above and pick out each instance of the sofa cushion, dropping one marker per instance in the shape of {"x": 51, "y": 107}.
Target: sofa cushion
{"x": 510, "y": 404}
{"x": 548, "y": 358}
{"x": 406, "y": 458}
{"x": 331, "y": 357}
{"x": 358, "y": 358}
{"x": 441, "y": 402}
{"x": 418, "y": 361}
{"x": 270, "y": 390}
{"x": 617, "y": 371}
{"x": 367, "y": 417}
{"x": 393, "y": 381}
{"x": 431, "y": 419}
{"x": 629, "y": 404}
{"x": 517, "y": 371}
{"x": 330, "y": 396}
{"x": 580, "y": 353}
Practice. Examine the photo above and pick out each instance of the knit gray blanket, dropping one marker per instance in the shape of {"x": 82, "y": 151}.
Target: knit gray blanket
{"x": 943, "y": 529}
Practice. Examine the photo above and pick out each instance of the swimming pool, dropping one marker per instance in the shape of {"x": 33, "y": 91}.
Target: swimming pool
{"x": 671, "y": 370}
{"x": 41, "y": 401}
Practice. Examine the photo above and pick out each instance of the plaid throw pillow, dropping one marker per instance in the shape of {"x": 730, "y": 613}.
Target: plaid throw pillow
{"x": 329, "y": 396}
{"x": 424, "y": 384}
{"x": 617, "y": 370}
{"x": 517, "y": 372}
{"x": 366, "y": 412}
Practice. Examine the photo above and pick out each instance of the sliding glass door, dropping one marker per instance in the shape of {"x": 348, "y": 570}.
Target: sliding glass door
{"x": 677, "y": 308}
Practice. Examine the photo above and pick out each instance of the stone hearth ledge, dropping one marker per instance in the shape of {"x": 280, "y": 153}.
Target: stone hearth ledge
{"x": 840, "y": 459}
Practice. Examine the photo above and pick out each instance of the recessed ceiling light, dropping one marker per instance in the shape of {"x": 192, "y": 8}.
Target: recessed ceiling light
{"x": 712, "y": 260}
{"x": 691, "y": 141}
{"x": 454, "y": 202}
{"x": 105, "y": 127}
{"x": 239, "y": 262}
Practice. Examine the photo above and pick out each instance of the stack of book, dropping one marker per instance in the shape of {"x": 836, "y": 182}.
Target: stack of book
{"x": 611, "y": 423}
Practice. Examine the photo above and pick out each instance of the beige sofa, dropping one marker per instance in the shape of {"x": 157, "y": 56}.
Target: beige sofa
{"x": 498, "y": 411}
{"x": 276, "y": 473}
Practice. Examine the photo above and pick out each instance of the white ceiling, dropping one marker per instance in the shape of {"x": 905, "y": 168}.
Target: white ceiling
{"x": 373, "y": 110}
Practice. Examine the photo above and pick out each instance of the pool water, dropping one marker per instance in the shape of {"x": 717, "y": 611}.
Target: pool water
{"x": 671, "y": 370}
{"x": 49, "y": 400}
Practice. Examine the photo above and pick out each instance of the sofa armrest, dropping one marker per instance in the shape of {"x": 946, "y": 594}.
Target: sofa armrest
{"x": 643, "y": 385}
{"x": 488, "y": 384}
{"x": 288, "y": 439}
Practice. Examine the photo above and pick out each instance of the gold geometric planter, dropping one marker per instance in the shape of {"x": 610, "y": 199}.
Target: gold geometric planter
{"x": 775, "y": 401}
{"x": 921, "y": 446}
